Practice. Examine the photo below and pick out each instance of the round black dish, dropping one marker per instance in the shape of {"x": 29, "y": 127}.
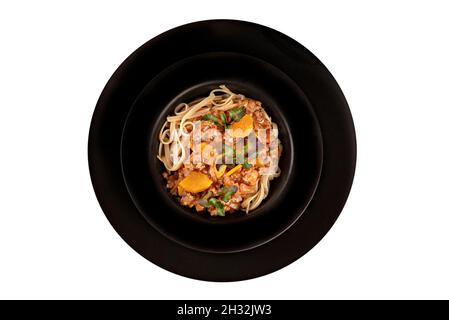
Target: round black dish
{"x": 300, "y": 161}
{"x": 266, "y": 240}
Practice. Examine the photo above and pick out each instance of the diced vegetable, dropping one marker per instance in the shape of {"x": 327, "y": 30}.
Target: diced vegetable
{"x": 237, "y": 167}
{"x": 228, "y": 192}
{"x": 195, "y": 182}
{"x": 247, "y": 165}
{"x": 218, "y": 205}
{"x": 237, "y": 113}
{"x": 211, "y": 117}
{"x": 243, "y": 127}
{"x": 220, "y": 209}
{"x": 213, "y": 201}
{"x": 221, "y": 171}
{"x": 223, "y": 118}
{"x": 208, "y": 195}
{"x": 259, "y": 162}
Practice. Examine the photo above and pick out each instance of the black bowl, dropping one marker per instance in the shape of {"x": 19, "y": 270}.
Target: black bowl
{"x": 300, "y": 161}
{"x": 280, "y": 72}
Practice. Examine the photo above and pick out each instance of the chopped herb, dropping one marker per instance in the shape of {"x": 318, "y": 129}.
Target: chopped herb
{"x": 237, "y": 113}
{"x": 218, "y": 205}
{"x": 222, "y": 191}
{"x": 220, "y": 209}
{"x": 247, "y": 165}
{"x": 208, "y": 195}
{"x": 211, "y": 117}
{"x": 227, "y": 192}
{"x": 223, "y": 119}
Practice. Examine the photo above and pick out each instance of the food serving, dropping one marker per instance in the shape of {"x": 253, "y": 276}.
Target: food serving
{"x": 220, "y": 153}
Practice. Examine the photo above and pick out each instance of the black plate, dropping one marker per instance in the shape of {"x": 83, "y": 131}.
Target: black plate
{"x": 300, "y": 161}
{"x": 315, "y": 127}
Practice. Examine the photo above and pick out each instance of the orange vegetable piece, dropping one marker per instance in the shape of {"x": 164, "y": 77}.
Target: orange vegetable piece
{"x": 243, "y": 127}
{"x": 201, "y": 146}
{"x": 195, "y": 182}
{"x": 259, "y": 162}
{"x": 233, "y": 170}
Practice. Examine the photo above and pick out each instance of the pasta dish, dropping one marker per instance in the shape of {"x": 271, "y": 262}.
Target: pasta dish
{"x": 220, "y": 153}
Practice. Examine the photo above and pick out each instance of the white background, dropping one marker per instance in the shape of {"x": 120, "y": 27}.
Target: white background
{"x": 391, "y": 60}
